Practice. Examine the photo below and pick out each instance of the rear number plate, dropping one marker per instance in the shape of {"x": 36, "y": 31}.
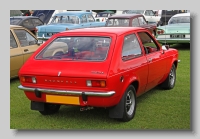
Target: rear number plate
{"x": 177, "y": 36}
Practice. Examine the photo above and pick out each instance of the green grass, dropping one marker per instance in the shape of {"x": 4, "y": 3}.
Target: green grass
{"x": 156, "y": 109}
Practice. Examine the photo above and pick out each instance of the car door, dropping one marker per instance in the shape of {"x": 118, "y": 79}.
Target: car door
{"x": 27, "y": 42}
{"x": 16, "y": 56}
{"x": 155, "y": 58}
{"x": 91, "y": 20}
{"x": 84, "y": 22}
{"x": 134, "y": 63}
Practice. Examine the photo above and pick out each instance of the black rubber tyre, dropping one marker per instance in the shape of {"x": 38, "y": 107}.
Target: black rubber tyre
{"x": 50, "y": 109}
{"x": 129, "y": 104}
{"x": 169, "y": 83}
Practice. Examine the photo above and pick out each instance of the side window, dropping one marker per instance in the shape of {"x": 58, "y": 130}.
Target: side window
{"x": 28, "y": 23}
{"x": 142, "y": 21}
{"x": 25, "y": 38}
{"x": 148, "y": 43}
{"x": 147, "y": 13}
{"x": 37, "y": 22}
{"x": 135, "y": 22}
{"x": 90, "y": 18}
{"x": 151, "y": 13}
{"x": 13, "y": 43}
{"x": 131, "y": 47}
{"x": 83, "y": 19}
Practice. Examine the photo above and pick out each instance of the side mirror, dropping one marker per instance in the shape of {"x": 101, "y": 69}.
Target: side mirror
{"x": 39, "y": 42}
{"x": 165, "y": 47}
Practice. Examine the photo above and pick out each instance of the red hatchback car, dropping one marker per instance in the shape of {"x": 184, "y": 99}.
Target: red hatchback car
{"x": 105, "y": 67}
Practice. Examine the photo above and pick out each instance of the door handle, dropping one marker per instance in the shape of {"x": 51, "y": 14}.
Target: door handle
{"x": 26, "y": 50}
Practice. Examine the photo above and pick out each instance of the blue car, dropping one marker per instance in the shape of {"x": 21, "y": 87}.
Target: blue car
{"x": 67, "y": 21}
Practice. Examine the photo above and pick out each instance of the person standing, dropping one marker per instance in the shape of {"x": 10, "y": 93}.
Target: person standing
{"x": 28, "y": 13}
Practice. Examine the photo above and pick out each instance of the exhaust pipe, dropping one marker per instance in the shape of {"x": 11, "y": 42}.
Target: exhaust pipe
{"x": 86, "y": 108}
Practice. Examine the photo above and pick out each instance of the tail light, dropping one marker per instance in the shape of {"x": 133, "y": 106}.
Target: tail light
{"x": 160, "y": 31}
{"x": 96, "y": 83}
{"x": 28, "y": 79}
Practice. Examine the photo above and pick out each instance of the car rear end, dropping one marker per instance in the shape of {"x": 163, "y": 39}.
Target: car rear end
{"x": 71, "y": 71}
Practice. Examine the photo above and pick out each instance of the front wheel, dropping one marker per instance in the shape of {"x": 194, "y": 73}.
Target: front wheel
{"x": 50, "y": 109}
{"x": 169, "y": 83}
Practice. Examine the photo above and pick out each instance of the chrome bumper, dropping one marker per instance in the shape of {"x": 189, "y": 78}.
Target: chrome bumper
{"x": 167, "y": 40}
{"x": 65, "y": 92}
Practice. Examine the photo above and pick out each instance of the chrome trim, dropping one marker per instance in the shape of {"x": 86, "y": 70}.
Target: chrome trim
{"x": 65, "y": 92}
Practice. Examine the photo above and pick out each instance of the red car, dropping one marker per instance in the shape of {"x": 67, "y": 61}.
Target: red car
{"x": 105, "y": 67}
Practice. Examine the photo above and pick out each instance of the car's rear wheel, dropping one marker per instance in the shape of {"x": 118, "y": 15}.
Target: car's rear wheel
{"x": 50, "y": 108}
{"x": 169, "y": 83}
{"x": 129, "y": 104}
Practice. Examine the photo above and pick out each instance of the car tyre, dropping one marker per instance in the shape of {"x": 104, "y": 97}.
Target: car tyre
{"x": 50, "y": 108}
{"x": 129, "y": 104}
{"x": 169, "y": 83}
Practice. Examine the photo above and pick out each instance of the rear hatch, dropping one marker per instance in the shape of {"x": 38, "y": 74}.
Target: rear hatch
{"x": 60, "y": 71}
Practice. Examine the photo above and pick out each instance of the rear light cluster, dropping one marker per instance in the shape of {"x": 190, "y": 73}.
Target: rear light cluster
{"x": 160, "y": 31}
{"x": 96, "y": 83}
{"x": 28, "y": 79}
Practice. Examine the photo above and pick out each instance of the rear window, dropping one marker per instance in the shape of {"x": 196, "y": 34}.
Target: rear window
{"x": 118, "y": 22}
{"x": 77, "y": 49}
{"x": 180, "y": 19}
{"x": 15, "y": 21}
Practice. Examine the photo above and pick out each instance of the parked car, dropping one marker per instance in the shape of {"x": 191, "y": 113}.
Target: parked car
{"x": 29, "y": 22}
{"x": 103, "y": 16}
{"x": 104, "y": 67}
{"x": 22, "y": 45}
{"x": 67, "y": 21}
{"x": 131, "y": 20}
{"x": 165, "y": 15}
{"x": 47, "y": 15}
{"x": 177, "y": 30}
{"x": 149, "y": 15}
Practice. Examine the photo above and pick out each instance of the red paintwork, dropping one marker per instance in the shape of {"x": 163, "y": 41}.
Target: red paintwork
{"x": 139, "y": 70}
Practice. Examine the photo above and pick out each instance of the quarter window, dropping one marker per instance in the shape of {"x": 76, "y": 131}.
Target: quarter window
{"x": 142, "y": 21}
{"x": 25, "y": 38}
{"x": 13, "y": 43}
{"x": 131, "y": 47}
{"x": 37, "y": 22}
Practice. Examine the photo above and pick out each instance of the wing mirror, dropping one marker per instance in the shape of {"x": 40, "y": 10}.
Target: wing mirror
{"x": 39, "y": 42}
{"x": 165, "y": 47}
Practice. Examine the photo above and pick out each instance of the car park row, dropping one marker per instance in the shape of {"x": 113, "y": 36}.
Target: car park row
{"x": 81, "y": 60}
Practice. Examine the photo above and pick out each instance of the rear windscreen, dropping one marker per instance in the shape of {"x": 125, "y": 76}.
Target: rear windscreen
{"x": 77, "y": 48}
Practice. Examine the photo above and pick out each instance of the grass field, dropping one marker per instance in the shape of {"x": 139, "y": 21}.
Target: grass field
{"x": 156, "y": 109}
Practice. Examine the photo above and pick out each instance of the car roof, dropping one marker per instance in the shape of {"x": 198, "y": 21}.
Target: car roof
{"x": 181, "y": 14}
{"x": 24, "y": 17}
{"x": 15, "y": 26}
{"x": 78, "y": 13}
{"x": 109, "y": 30}
{"x": 125, "y": 16}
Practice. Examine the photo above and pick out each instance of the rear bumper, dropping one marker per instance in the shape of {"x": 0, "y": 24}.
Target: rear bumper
{"x": 66, "y": 92}
{"x": 172, "y": 41}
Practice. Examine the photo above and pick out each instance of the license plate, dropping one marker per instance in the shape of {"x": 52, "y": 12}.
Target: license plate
{"x": 177, "y": 36}
{"x": 74, "y": 100}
